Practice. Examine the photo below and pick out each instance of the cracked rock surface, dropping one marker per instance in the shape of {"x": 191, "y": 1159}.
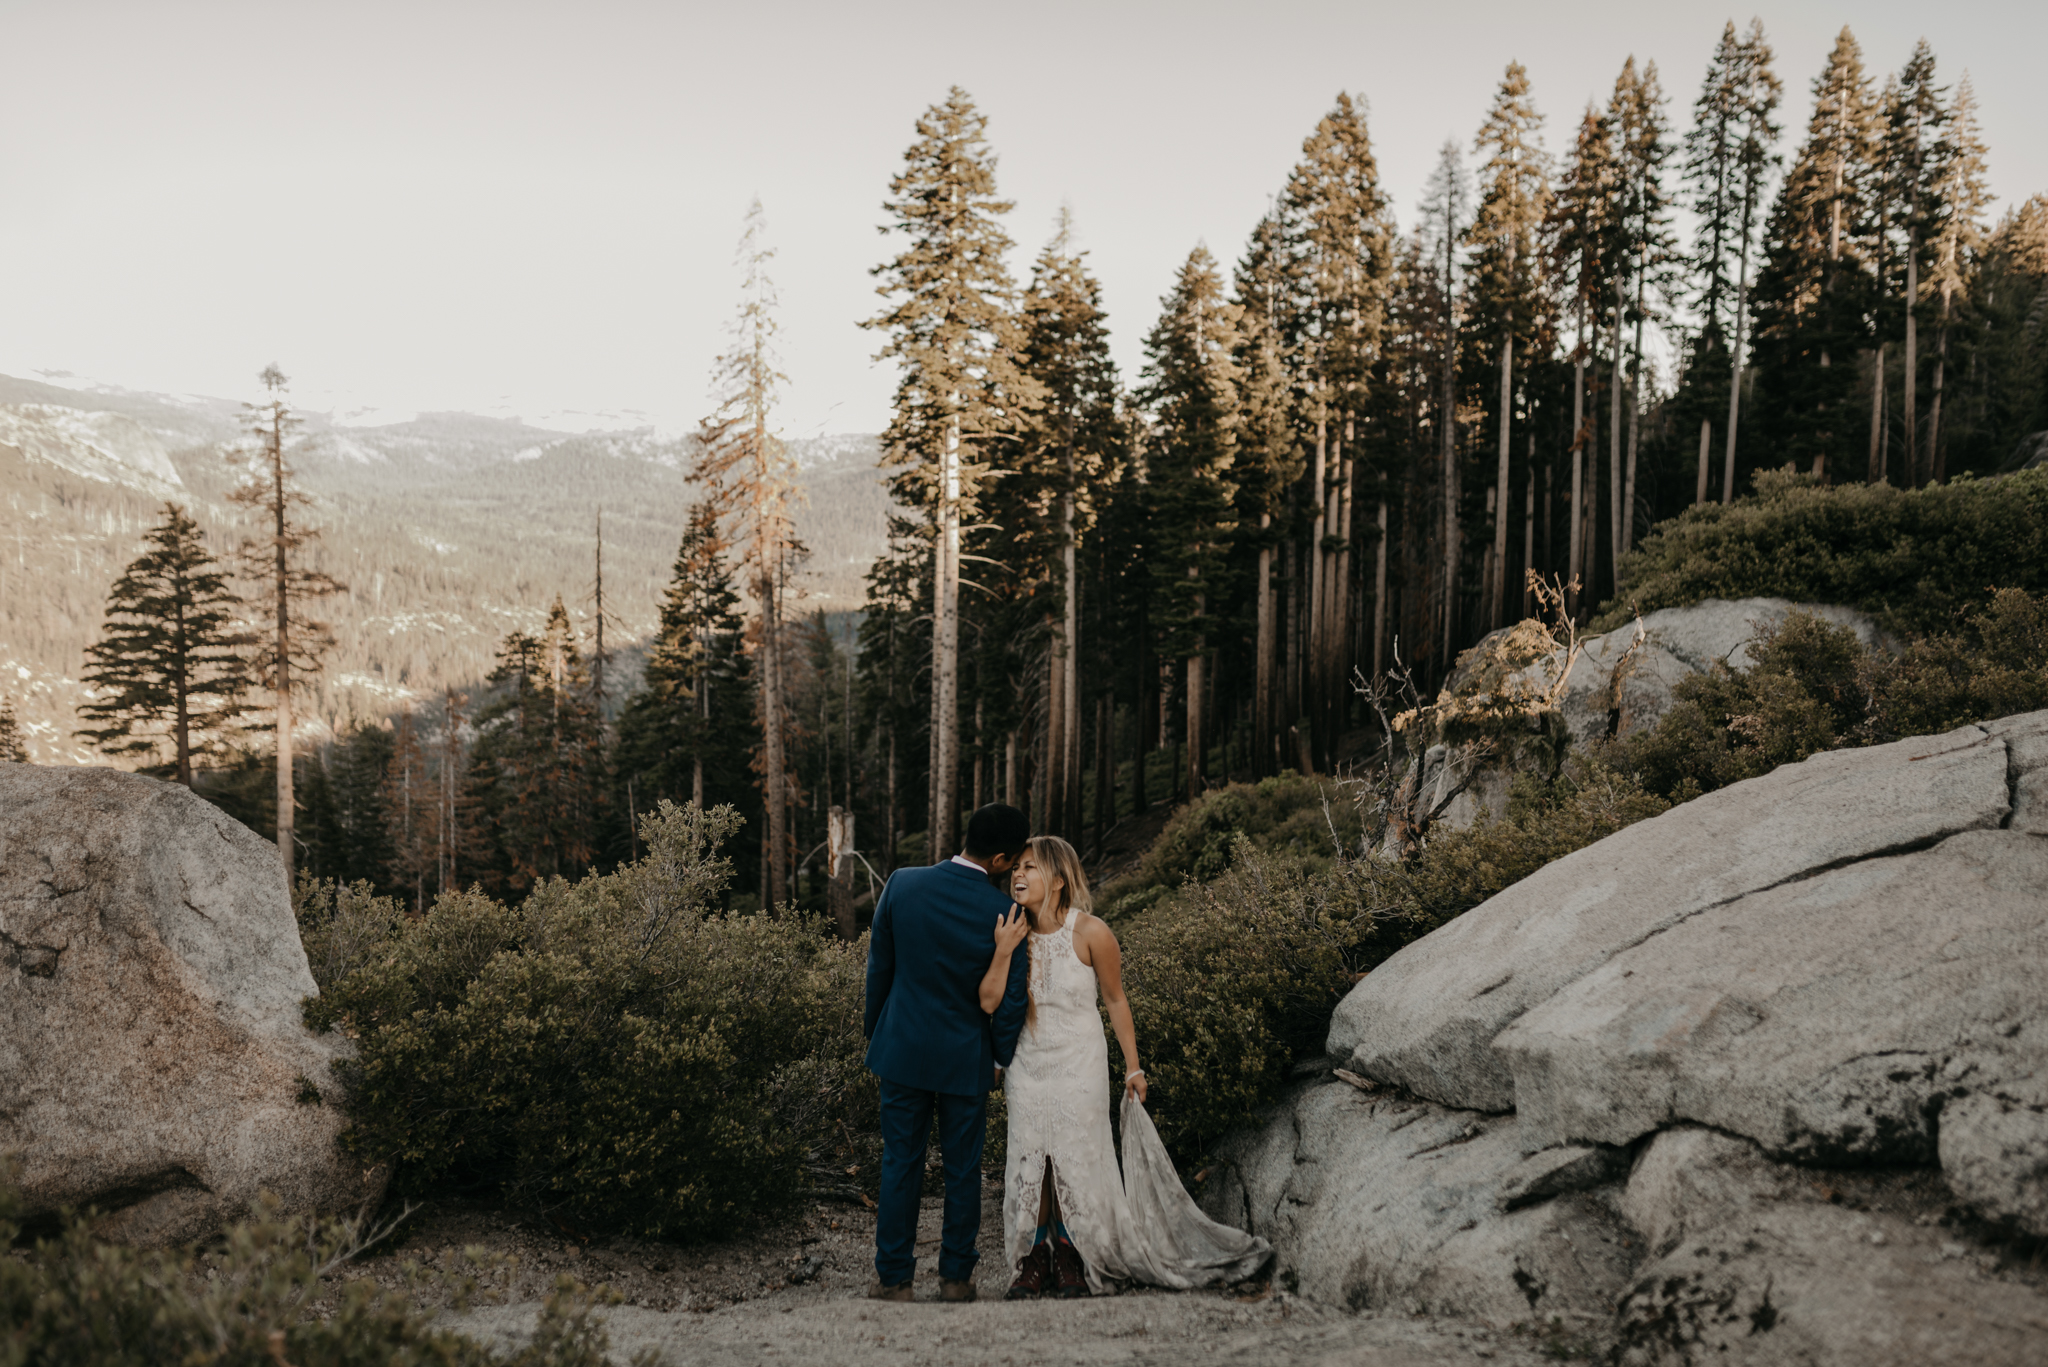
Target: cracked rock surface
{"x": 152, "y": 1057}
{"x": 1671, "y": 1040}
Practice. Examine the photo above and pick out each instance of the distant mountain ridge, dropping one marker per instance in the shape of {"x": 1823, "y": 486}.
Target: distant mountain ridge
{"x": 451, "y": 530}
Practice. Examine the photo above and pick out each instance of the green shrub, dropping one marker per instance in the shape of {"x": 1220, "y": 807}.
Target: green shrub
{"x": 1814, "y": 687}
{"x": 74, "y": 1300}
{"x": 1995, "y": 665}
{"x": 1232, "y": 981}
{"x": 1803, "y": 693}
{"x": 610, "y": 1052}
{"x": 1295, "y": 820}
{"x": 1916, "y": 557}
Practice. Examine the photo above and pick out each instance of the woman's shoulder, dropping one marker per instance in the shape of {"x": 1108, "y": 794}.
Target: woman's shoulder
{"x": 1092, "y": 929}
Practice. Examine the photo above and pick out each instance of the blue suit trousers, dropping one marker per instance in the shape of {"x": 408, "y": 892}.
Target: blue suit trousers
{"x": 907, "y": 1117}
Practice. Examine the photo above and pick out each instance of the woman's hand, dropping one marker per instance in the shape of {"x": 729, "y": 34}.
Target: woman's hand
{"x": 1134, "y": 1085}
{"x": 1011, "y": 929}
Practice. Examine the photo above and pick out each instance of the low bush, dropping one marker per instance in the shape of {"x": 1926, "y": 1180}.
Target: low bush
{"x": 1232, "y": 980}
{"x": 1915, "y": 557}
{"x": 1813, "y": 686}
{"x": 611, "y": 1052}
{"x": 1300, "y": 822}
{"x": 246, "y": 1302}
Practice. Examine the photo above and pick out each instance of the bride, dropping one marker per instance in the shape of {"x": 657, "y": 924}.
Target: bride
{"x": 1072, "y": 1223}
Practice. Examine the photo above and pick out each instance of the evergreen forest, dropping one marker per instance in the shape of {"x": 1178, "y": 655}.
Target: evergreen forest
{"x": 1359, "y": 443}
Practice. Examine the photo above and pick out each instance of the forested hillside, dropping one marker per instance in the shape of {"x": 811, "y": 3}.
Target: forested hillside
{"x": 449, "y": 530}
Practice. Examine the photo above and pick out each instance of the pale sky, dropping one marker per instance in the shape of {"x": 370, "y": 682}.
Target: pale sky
{"x": 532, "y": 208}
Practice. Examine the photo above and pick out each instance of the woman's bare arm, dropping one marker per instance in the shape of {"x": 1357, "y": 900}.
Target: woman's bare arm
{"x": 1010, "y": 932}
{"x": 1102, "y": 953}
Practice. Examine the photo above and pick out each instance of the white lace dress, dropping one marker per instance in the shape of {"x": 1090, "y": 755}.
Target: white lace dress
{"x": 1138, "y": 1224}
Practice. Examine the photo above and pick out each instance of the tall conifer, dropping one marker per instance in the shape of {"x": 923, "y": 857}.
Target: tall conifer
{"x": 1960, "y": 200}
{"x": 1814, "y": 287}
{"x": 750, "y": 480}
{"x": 1584, "y": 233}
{"x": 294, "y": 642}
{"x": 1069, "y": 462}
{"x": 170, "y": 670}
{"x": 1341, "y": 244}
{"x": 953, "y": 330}
{"x": 1508, "y": 289}
{"x": 1191, "y": 390}
{"x": 1915, "y": 119}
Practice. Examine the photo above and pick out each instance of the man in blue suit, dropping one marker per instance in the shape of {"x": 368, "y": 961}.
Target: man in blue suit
{"x": 933, "y": 1048}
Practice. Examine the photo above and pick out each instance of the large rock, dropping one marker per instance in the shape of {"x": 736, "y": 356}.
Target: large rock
{"x": 1386, "y": 1202}
{"x": 1807, "y": 1285}
{"x": 1620, "y": 685}
{"x": 152, "y": 1058}
{"x": 1828, "y": 1019}
{"x": 1613, "y": 691}
{"x": 1426, "y": 1019}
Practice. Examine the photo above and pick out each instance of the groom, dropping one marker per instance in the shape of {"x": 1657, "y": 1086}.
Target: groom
{"x": 931, "y": 1046}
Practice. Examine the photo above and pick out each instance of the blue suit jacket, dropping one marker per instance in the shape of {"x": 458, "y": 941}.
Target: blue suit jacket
{"x": 933, "y": 937}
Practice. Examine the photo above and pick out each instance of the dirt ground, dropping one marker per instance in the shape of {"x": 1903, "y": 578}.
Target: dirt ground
{"x": 792, "y": 1293}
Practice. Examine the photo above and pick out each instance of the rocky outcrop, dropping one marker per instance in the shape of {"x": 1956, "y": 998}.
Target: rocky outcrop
{"x": 1642, "y": 1079}
{"x": 153, "y": 1062}
{"x": 1614, "y": 691}
{"x": 1619, "y": 686}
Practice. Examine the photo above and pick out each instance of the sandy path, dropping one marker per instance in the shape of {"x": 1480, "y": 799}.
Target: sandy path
{"x": 827, "y": 1320}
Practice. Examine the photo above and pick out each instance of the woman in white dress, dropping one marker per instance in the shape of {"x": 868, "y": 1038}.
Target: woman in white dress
{"x": 1072, "y": 1222}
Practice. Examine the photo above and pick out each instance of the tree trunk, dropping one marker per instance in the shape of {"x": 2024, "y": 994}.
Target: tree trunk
{"x": 287, "y": 805}
{"x": 1340, "y": 597}
{"x": 839, "y": 863}
{"x": 1877, "y": 470}
{"x": 1197, "y": 743}
{"x": 1635, "y": 417}
{"x": 1105, "y": 768}
{"x": 1937, "y": 463}
{"x": 1312, "y": 566}
{"x": 1379, "y": 585}
{"x": 773, "y": 760}
{"x": 1054, "y": 785}
{"x": 1498, "y": 588}
{"x": 945, "y": 777}
{"x": 181, "y": 683}
{"x": 1911, "y": 463}
{"x": 1573, "y": 580}
{"x": 1617, "y": 380}
{"x": 1735, "y": 373}
{"x": 1070, "y": 677}
{"x": 1262, "y": 688}
{"x": 1529, "y": 529}
{"x": 1706, "y": 447}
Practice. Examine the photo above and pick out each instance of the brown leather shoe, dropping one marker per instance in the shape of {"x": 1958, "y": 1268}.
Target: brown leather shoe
{"x": 957, "y": 1292}
{"x": 1033, "y": 1275}
{"x": 902, "y": 1291}
{"x": 1070, "y": 1275}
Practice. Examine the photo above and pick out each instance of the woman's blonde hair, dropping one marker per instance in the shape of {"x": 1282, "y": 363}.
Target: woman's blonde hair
{"x": 1061, "y": 861}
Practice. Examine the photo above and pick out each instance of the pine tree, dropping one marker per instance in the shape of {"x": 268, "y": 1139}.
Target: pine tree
{"x": 294, "y": 642}
{"x": 410, "y": 804}
{"x": 1190, "y": 389}
{"x": 1814, "y": 287}
{"x": 13, "y": 749}
{"x": 1269, "y": 462}
{"x": 1341, "y": 243}
{"x": 1584, "y": 233}
{"x": 1069, "y": 462}
{"x": 1507, "y": 288}
{"x": 1748, "y": 97}
{"x": 751, "y": 480}
{"x": 536, "y": 769}
{"x": 952, "y": 328}
{"x": 1445, "y": 206}
{"x": 169, "y": 671}
{"x": 1915, "y": 120}
{"x": 687, "y": 734}
{"x": 1958, "y": 237}
{"x": 1645, "y": 255}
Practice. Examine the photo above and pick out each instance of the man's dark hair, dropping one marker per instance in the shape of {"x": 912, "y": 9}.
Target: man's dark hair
{"x": 997, "y": 829}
